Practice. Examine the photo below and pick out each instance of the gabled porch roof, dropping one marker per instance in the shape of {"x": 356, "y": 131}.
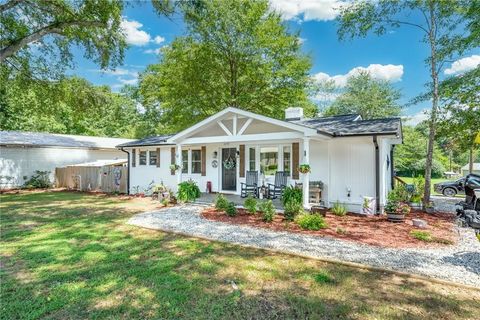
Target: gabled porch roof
{"x": 235, "y": 125}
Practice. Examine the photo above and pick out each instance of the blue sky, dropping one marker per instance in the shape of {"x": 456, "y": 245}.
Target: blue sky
{"x": 398, "y": 56}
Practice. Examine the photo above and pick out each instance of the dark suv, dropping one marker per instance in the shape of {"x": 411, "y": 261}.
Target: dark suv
{"x": 450, "y": 188}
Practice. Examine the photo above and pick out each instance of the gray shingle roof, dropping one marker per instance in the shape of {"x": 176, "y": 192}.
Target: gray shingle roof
{"x": 43, "y": 139}
{"x": 352, "y": 125}
{"x": 149, "y": 141}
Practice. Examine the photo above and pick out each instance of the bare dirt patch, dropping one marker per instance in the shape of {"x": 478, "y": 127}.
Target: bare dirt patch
{"x": 373, "y": 230}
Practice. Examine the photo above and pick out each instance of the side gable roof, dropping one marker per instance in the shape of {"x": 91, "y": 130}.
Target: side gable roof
{"x": 149, "y": 141}
{"x": 43, "y": 139}
{"x": 352, "y": 125}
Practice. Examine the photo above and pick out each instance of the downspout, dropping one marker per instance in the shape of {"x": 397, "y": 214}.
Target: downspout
{"x": 392, "y": 171}
{"x": 377, "y": 174}
{"x": 128, "y": 169}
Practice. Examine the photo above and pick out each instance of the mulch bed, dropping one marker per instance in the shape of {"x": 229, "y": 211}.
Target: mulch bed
{"x": 373, "y": 230}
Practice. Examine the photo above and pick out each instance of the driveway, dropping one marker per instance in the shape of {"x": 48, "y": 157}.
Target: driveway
{"x": 458, "y": 263}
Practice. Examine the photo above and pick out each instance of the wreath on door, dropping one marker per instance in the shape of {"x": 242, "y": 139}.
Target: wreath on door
{"x": 230, "y": 162}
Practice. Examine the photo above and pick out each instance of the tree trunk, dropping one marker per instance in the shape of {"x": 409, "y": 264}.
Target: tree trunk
{"x": 433, "y": 115}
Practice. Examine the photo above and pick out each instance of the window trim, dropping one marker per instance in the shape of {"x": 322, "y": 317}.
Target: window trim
{"x": 140, "y": 158}
{"x": 191, "y": 161}
{"x": 150, "y": 158}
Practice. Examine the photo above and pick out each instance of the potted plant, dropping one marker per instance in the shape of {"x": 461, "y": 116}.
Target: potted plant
{"x": 395, "y": 209}
{"x": 304, "y": 168}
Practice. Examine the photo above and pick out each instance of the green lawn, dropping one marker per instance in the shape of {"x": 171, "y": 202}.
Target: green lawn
{"x": 71, "y": 256}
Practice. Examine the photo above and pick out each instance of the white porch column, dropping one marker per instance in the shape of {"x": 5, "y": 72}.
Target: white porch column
{"x": 306, "y": 176}
{"x": 179, "y": 162}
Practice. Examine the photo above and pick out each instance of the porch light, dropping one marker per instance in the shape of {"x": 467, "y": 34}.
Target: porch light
{"x": 215, "y": 154}
{"x": 237, "y": 153}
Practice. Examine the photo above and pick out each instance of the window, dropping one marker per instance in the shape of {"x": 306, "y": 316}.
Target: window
{"x": 152, "y": 158}
{"x": 268, "y": 160}
{"x": 143, "y": 158}
{"x": 286, "y": 160}
{"x": 184, "y": 161}
{"x": 251, "y": 159}
{"x": 196, "y": 161}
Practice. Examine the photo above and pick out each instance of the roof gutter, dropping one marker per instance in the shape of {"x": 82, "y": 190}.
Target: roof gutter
{"x": 377, "y": 174}
{"x": 128, "y": 169}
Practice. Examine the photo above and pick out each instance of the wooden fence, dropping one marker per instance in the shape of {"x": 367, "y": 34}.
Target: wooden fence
{"x": 107, "y": 179}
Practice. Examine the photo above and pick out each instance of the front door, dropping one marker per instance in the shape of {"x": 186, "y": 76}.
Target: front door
{"x": 229, "y": 169}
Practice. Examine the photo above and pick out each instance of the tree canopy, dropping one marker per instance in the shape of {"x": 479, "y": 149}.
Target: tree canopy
{"x": 367, "y": 97}
{"x": 235, "y": 53}
{"x": 72, "y": 106}
{"x": 448, "y": 28}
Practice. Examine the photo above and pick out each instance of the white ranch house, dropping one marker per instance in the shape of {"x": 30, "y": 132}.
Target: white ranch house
{"x": 351, "y": 156}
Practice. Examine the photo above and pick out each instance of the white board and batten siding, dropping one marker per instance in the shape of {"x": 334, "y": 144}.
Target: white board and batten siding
{"x": 20, "y": 162}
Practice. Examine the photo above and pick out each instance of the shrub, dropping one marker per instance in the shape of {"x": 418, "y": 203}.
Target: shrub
{"x": 268, "y": 210}
{"x": 251, "y": 205}
{"x": 339, "y": 209}
{"x": 311, "y": 221}
{"x": 231, "y": 210}
{"x": 41, "y": 180}
{"x": 188, "y": 191}
{"x": 221, "y": 203}
{"x": 165, "y": 202}
{"x": 421, "y": 235}
{"x": 291, "y": 195}
{"x": 291, "y": 210}
{"x": 427, "y": 237}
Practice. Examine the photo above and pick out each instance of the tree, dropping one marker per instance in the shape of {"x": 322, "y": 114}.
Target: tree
{"x": 71, "y": 105}
{"x": 367, "y": 97}
{"x": 461, "y": 117}
{"x": 448, "y": 28}
{"x": 37, "y": 35}
{"x": 410, "y": 155}
{"x": 236, "y": 53}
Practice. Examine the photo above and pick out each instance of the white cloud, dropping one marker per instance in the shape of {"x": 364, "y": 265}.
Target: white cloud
{"x": 416, "y": 118}
{"x": 128, "y": 81}
{"x": 117, "y": 72}
{"x": 158, "y": 39}
{"x": 321, "y": 10}
{"x": 387, "y": 72}
{"x": 133, "y": 34}
{"x": 153, "y": 51}
{"x": 463, "y": 65}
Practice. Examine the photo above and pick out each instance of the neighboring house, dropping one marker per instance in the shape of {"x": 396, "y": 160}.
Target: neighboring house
{"x": 22, "y": 153}
{"x": 351, "y": 156}
{"x": 476, "y": 168}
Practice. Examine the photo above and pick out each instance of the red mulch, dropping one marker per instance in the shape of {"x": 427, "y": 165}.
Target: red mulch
{"x": 373, "y": 230}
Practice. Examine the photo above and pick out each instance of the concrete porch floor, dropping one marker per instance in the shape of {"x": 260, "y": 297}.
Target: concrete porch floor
{"x": 209, "y": 198}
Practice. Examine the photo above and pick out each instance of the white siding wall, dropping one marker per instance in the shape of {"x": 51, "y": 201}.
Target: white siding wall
{"x": 143, "y": 175}
{"x": 385, "y": 173}
{"x": 20, "y": 162}
{"x": 352, "y": 166}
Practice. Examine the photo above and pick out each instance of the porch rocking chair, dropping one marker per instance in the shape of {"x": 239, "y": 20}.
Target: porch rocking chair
{"x": 250, "y": 186}
{"x": 276, "y": 189}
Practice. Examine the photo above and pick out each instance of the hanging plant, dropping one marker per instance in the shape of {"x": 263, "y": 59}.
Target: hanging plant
{"x": 174, "y": 167}
{"x": 304, "y": 168}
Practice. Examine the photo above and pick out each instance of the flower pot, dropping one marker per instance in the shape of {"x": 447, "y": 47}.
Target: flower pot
{"x": 415, "y": 205}
{"x": 430, "y": 210}
{"x": 395, "y": 217}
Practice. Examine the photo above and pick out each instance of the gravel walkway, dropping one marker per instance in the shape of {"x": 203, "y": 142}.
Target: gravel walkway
{"x": 459, "y": 263}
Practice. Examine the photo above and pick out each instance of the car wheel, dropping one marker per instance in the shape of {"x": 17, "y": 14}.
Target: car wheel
{"x": 449, "y": 192}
